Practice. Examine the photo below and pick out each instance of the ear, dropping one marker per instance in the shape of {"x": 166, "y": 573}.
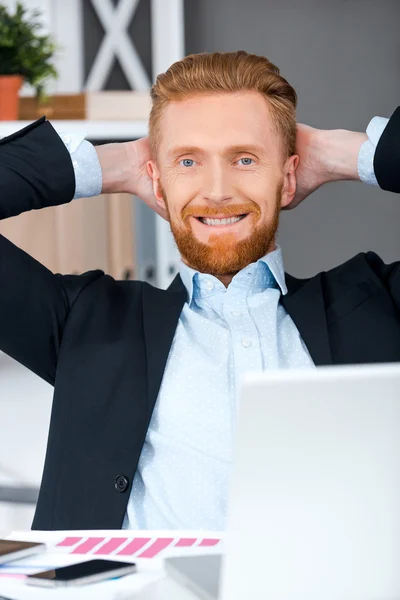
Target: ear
{"x": 154, "y": 173}
{"x": 289, "y": 180}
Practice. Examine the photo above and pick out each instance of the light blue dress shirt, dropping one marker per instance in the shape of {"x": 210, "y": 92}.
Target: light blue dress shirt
{"x": 182, "y": 477}
{"x": 88, "y": 177}
{"x": 366, "y": 154}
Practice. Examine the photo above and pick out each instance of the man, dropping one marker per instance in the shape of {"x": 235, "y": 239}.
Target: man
{"x": 145, "y": 380}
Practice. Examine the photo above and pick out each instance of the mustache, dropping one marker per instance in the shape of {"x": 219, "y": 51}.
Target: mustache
{"x": 230, "y": 210}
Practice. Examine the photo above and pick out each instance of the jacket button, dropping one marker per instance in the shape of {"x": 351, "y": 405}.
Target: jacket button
{"x": 121, "y": 483}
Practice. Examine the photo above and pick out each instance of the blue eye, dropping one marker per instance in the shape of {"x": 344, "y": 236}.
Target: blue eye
{"x": 246, "y": 161}
{"x": 187, "y": 162}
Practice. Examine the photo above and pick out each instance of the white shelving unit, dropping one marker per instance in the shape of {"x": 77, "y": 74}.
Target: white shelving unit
{"x": 60, "y": 17}
{"x": 92, "y": 130}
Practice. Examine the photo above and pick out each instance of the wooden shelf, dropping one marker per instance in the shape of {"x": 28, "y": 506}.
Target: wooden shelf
{"x": 92, "y": 130}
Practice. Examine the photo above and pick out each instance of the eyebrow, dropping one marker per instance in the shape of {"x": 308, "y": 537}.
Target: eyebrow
{"x": 179, "y": 150}
{"x": 237, "y": 149}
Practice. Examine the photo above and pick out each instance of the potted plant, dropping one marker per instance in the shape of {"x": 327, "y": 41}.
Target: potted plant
{"x": 25, "y": 56}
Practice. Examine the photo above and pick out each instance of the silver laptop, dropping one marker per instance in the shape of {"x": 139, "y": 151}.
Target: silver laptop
{"x": 315, "y": 492}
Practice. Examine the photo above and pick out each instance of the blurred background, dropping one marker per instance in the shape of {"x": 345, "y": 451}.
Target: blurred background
{"x": 342, "y": 57}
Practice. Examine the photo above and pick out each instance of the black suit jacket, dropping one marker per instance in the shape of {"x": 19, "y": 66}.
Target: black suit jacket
{"x": 103, "y": 344}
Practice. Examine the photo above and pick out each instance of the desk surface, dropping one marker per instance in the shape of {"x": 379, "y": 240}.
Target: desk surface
{"x": 166, "y": 589}
{"x": 150, "y": 583}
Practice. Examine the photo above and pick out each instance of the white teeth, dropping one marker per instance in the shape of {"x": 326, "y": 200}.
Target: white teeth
{"x": 229, "y": 221}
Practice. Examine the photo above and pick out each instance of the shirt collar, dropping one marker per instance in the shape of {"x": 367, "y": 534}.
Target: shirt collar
{"x": 259, "y": 276}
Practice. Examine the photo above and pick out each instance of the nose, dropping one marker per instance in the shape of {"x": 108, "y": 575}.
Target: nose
{"x": 217, "y": 186}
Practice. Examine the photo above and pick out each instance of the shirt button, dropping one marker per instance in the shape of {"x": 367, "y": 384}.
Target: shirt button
{"x": 209, "y": 285}
{"x": 246, "y": 343}
{"x": 236, "y": 313}
{"x": 66, "y": 139}
{"x": 75, "y": 164}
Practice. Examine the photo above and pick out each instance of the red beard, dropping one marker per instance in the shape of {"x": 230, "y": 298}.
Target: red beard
{"x": 224, "y": 254}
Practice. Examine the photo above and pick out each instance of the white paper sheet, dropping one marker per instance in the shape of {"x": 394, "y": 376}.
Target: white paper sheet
{"x": 13, "y": 586}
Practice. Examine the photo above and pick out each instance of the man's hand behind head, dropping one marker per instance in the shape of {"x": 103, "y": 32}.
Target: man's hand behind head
{"x": 325, "y": 155}
{"x": 310, "y": 173}
{"x": 140, "y": 182}
{"x": 124, "y": 169}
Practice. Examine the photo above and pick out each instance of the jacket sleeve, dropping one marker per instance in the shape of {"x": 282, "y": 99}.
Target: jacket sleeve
{"x": 387, "y": 155}
{"x": 35, "y": 172}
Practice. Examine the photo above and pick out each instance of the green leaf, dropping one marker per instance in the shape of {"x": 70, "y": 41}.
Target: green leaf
{"x": 24, "y": 50}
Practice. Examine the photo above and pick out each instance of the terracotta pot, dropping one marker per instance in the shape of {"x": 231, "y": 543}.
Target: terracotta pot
{"x": 9, "y": 97}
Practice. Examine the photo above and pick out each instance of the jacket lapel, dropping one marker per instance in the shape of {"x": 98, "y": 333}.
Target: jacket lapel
{"x": 161, "y": 310}
{"x": 305, "y": 305}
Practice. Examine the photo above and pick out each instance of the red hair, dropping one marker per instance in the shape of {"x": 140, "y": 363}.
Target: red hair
{"x": 224, "y": 72}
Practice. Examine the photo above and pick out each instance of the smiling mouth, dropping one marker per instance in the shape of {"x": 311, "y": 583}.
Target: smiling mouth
{"x": 224, "y": 221}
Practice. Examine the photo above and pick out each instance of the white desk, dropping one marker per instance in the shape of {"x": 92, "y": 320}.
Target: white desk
{"x": 150, "y": 583}
{"x": 165, "y": 589}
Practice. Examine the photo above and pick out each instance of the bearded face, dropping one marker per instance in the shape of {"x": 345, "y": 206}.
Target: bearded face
{"x": 221, "y": 176}
{"x": 225, "y": 252}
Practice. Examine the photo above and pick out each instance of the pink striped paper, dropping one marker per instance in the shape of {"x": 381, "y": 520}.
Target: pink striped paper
{"x": 209, "y": 542}
{"x": 110, "y": 546}
{"x": 156, "y": 547}
{"x": 185, "y": 542}
{"x": 70, "y": 541}
{"x": 88, "y": 545}
{"x": 133, "y": 546}
{"x": 94, "y": 545}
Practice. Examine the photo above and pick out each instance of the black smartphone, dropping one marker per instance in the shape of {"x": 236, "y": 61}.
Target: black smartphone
{"x": 82, "y": 573}
{"x": 13, "y": 550}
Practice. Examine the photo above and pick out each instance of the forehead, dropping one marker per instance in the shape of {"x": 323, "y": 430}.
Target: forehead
{"x": 218, "y": 119}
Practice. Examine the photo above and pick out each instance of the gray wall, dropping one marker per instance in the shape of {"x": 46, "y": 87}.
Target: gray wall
{"x": 343, "y": 58}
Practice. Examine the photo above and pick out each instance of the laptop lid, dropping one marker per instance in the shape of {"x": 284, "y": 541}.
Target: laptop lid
{"x": 199, "y": 574}
{"x": 315, "y": 498}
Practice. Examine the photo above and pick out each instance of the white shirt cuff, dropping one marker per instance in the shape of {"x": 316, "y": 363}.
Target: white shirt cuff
{"x": 365, "y": 163}
{"x": 87, "y": 169}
